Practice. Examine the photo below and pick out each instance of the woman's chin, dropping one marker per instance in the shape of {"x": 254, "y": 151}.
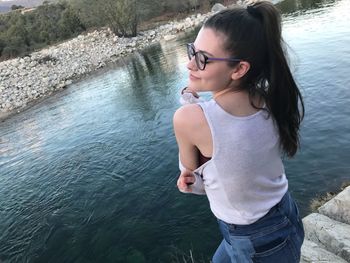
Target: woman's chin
{"x": 193, "y": 87}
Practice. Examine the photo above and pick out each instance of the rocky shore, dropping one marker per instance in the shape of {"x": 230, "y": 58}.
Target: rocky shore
{"x": 327, "y": 232}
{"x": 24, "y": 80}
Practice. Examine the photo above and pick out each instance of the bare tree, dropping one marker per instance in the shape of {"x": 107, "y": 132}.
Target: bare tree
{"x": 121, "y": 16}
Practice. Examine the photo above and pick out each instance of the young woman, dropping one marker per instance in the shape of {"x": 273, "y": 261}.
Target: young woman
{"x": 230, "y": 147}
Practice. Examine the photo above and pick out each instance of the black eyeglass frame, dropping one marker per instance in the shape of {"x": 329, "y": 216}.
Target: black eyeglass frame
{"x": 191, "y": 52}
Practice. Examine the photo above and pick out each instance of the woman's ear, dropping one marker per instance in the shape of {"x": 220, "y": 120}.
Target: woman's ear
{"x": 240, "y": 70}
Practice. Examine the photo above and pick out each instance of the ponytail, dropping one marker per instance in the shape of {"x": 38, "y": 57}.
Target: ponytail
{"x": 254, "y": 34}
{"x": 283, "y": 95}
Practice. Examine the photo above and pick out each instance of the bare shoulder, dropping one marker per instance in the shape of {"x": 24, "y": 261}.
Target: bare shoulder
{"x": 192, "y": 132}
{"x": 190, "y": 116}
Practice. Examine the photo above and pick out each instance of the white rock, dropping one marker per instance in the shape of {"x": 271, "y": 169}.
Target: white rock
{"x": 18, "y": 104}
{"x": 188, "y": 20}
{"x": 179, "y": 27}
{"x": 313, "y": 253}
{"x": 329, "y": 234}
{"x": 169, "y": 37}
{"x": 338, "y": 208}
{"x": 218, "y": 7}
{"x": 33, "y": 64}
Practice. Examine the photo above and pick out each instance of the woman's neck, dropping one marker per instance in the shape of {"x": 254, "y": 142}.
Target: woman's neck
{"x": 237, "y": 102}
{"x": 224, "y": 91}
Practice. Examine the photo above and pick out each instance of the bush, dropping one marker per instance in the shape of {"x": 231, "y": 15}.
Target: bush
{"x": 47, "y": 24}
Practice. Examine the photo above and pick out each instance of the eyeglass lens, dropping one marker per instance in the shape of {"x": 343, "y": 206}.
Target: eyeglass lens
{"x": 198, "y": 56}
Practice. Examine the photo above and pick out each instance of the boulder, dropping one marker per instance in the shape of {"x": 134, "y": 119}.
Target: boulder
{"x": 169, "y": 37}
{"x": 217, "y": 7}
{"x": 329, "y": 234}
{"x": 311, "y": 252}
{"x": 152, "y": 33}
{"x": 338, "y": 208}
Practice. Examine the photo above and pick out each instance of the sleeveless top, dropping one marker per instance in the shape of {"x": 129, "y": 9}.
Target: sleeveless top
{"x": 245, "y": 177}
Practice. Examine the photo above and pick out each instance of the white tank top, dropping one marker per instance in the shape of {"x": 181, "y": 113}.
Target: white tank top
{"x": 245, "y": 177}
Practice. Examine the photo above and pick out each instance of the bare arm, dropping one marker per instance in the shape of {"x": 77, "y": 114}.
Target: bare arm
{"x": 186, "y": 124}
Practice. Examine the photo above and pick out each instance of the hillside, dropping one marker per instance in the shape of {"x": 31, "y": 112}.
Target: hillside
{"x": 5, "y": 6}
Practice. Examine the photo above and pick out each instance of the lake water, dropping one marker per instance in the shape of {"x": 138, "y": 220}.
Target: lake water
{"x": 89, "y": 174}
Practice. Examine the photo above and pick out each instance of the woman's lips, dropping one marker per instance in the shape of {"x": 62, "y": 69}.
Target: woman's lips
{"x": 192, "y": 77}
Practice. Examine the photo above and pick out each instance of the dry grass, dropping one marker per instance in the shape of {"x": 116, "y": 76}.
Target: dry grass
{"x": 321, "y": 200}
{"x": 179, "y": 256}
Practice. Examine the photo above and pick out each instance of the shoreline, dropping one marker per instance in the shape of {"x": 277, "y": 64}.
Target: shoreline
{"x": 24, "y": 81}
{"x": 327, "y": 230}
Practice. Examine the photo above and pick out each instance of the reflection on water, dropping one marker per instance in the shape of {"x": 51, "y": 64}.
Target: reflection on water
{"x": 89, "y": 174}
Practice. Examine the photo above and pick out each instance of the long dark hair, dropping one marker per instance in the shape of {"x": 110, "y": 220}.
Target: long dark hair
{"x": 254, "y": 34}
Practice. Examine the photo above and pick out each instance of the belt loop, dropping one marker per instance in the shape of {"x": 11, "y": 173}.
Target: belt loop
{"x": 231, "y": 226}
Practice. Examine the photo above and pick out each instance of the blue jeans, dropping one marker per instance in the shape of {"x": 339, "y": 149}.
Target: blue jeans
{"x": 276, "y": 237}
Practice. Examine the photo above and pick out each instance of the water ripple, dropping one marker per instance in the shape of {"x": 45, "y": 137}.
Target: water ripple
{"x": 90, "y": 173}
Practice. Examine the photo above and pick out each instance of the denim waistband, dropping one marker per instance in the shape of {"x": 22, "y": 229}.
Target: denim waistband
{"x": 281, "y": 209}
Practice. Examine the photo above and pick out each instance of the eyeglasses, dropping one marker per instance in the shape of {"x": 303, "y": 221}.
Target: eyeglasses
{"x": 202, "y": 59}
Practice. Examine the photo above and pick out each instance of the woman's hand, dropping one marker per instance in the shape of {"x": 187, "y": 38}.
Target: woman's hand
{"x": 188, "y": 90}
{"x": 189, "y": 96}
{"x": 186, "y": 179}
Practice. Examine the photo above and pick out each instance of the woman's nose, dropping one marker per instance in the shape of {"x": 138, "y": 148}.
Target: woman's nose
{"x": 191, "y": 65}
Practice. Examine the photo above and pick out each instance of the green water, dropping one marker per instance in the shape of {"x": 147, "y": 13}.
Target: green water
{"x": 89, "y": 174}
